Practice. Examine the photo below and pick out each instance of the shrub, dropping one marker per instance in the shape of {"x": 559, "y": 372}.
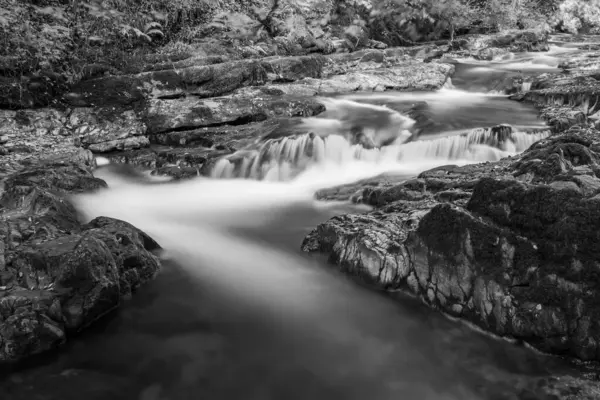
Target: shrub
{"x": 577, "y": 16}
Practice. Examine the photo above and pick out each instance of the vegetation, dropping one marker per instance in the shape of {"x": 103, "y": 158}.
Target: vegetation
{"x": 63, "y": 41}
{"x": 579, "y": 16}
{"x": 435, "y": 19}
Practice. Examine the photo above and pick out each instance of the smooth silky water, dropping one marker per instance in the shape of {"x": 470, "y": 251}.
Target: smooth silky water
{"x": 238, "y": 312}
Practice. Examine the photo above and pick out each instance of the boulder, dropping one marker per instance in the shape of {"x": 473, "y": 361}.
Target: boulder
{"x": 56, "y": 275}
{"x": 238, "y": 109}
{"x": 402, "y": 76}
{"x": 516, "y": 41}
{"x": 509, "y": 246}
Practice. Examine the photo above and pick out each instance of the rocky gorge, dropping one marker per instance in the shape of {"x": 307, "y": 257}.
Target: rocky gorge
{"x": 508, "y": 245}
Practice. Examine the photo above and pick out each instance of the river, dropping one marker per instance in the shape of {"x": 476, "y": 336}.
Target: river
{"x": 238, "y": 312}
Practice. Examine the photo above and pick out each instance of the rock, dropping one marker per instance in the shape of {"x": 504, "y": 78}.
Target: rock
{"x": 512, "y": 41}
{"x": 223, "y": 78}
{"x": 238, "y": 109}
{"x": 103, "y": 131}
{"x": 490, "y": 53}
{"x": 56, "y": 275}
{"x": 145, "y": 158}
{"x": 120, "y": 113}
{"x": 120, "y": 144}
{"x": 509, "y": 245}
{"x": 124, "y": 92}
{"x": 410, "y": 75}
{"x": 565, "y": 100}
{"x": 291, "y": 69}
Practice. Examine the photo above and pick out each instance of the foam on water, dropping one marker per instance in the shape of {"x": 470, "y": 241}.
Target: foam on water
{"x": 446, "y": 97}
{"x": 324, "y": 325}
{"x": 333, "y": 159}
{"x": 376, "y": 124}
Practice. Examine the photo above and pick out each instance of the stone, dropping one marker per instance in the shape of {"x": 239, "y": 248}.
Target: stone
{"x": 409, "y": 75}
{"x": 243, "y": 108}
{"x": 513, "y": 41}
{"x": 58, "y": 276}
{"x": 510, "y": 245}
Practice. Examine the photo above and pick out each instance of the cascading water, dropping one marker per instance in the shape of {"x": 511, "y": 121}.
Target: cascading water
{"x": 238, "y": 314}
{"x": 282, "y": 159}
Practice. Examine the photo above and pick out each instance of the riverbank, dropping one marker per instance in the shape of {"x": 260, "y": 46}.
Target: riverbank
{"x": 504, "y": 245}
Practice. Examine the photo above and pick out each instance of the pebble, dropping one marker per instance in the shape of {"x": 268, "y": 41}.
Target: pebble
{"x": 3, "y": 139}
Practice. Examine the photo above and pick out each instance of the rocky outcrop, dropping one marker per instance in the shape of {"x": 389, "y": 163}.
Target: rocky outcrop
{"x": 185, "y": 116}
{"x": 56, "y": 275}
{"x": 570, "y": 97}
{"x": 486, "y": 47}
{"x": 508, "y": 246}
{"x": 566, "y": 99}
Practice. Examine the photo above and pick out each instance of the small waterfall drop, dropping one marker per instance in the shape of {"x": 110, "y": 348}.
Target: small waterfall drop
{"x": 283, "y": 159}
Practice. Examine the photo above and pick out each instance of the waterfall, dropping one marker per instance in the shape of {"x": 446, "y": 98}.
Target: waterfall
{"x": 282, "y": 159}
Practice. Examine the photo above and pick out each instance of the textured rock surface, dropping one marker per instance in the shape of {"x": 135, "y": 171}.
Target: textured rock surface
{"x": 185, "y": 117}
{"x": 512, "y": 41}
{"x": 507, "y": 245}
{"x": 57, "y": 276}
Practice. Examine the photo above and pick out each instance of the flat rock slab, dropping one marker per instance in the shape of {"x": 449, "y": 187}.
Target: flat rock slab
{"x": 412, "y": 75}
{"x": 251, "y": 106}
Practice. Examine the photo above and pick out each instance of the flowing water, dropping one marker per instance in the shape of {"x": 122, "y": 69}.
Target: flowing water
{"x": 239, "y": 313}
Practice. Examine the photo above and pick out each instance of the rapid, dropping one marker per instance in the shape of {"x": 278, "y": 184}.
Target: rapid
{"x": 238, "y": 312}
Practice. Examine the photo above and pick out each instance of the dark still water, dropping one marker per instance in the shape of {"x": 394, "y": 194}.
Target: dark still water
{"x": 239, "y": 313}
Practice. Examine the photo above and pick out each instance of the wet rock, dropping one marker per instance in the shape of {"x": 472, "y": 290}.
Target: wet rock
{"x": 101, "y": 130}
{"x": 145, "y": 158}
{"x": 125, "y": 92}
{"x": 223, "y": 137}
{"x": 509, "y": 246}
{"x": 120, "y": 144}
{"x": 121, "y": 113}
{"x": 354, "y": 191}
{"x": 565, "y": 100}
{"x": 238, "y": 109}
{"x": 567, "y": 155}
{"x": 205, "y": 80}
{"x": 490, "y": 53}
{"x": 513, "y": 41}
{"x": 410, "y": 75}
{"x": 57, "y": 276}
{"x": 291, "y": 69}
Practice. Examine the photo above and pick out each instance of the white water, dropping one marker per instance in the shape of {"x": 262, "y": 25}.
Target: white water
{"x": 333, "y": 159}
{"x": 535, "y": 61}
{"x": 327, "y": 326}
{"x": 447, "y": 98}
{"x": 349, "y": 338}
